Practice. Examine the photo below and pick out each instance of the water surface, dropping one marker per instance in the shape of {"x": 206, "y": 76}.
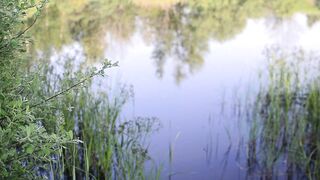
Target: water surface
{"x": 193, "y": 66}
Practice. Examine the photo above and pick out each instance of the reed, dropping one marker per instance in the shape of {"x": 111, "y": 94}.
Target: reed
{"x": 109, "y": 147}
{"x": 285, "y": 121}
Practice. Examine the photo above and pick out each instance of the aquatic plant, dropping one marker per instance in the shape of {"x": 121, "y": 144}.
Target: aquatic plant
{"x": 283, "y": 140}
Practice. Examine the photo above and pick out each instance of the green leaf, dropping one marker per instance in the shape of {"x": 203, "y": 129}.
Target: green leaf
{"x": 70, "y": 134}
{"x": 30, "y": 149}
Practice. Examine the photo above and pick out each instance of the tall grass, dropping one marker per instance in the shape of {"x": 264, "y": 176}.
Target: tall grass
{"x": 110, "y": 147}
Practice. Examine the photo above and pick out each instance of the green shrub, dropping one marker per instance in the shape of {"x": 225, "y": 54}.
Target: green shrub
{"x": 26, "y": 145}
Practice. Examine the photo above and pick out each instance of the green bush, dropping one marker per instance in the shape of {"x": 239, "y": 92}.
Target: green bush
{"x": 26, "y": 145}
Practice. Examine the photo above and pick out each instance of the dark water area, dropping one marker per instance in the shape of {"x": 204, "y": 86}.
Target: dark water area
{"x": 227, "y": 80}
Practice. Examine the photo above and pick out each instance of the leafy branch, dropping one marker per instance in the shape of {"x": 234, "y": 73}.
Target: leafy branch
{"x": 105, "y": 66}
{"x": 37, "y": 14}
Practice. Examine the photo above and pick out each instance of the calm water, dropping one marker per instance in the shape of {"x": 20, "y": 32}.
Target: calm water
{"x": 192, "y": 67}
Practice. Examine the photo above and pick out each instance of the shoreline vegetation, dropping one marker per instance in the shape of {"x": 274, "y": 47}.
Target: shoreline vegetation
{"x": 284, "y": 118}
{"x": 52, "y": 124}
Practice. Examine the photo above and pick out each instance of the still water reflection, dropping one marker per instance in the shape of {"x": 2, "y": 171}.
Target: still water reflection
{"x": 193, "y": 65}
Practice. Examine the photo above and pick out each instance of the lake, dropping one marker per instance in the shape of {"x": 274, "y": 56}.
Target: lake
{"x": 200, "y": 68}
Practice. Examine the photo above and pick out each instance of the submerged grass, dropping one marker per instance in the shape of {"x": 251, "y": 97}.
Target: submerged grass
{"x": 284, "y": 134}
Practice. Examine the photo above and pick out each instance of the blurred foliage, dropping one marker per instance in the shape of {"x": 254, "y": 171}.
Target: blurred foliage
{"x": 178, "y": 29}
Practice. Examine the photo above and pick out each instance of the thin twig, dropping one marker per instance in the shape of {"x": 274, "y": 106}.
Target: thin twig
{"x": 64, "y": 91}
{"x": 99, "y": 72}
{"x": 25, "y": 30}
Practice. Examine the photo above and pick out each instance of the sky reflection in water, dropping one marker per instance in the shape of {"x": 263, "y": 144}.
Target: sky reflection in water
{"x": 194, "y": 100}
